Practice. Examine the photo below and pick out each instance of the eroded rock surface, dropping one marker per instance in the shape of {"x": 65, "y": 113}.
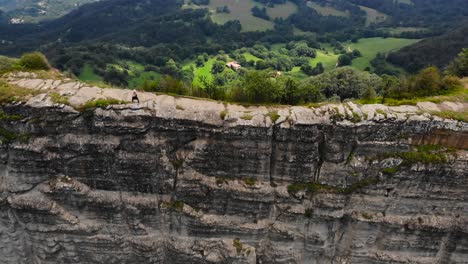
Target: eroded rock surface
{"x": 172, "y": 180}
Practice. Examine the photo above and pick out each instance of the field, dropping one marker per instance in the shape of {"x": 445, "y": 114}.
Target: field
{"x": 373, "y": 16}
{"x": 327, "y": 10}
{"x": 241, "y": 10}
{"x": 87, "y": 75}
{"x": 371, "y": 46}
{"x": 250, "y": 57}
{"x": 328, "y": 59}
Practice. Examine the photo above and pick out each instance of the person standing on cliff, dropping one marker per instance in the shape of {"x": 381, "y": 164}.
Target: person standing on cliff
{"x": 135, "y": 97}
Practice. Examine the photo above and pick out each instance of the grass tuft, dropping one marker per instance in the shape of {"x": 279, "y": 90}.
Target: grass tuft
{"x": 247, "y": 117}
{"x": 250, "y": 181}
{"x": 59, "y": 99}
{"x": 274, "y": 116}
{"x": 100, "y": 103}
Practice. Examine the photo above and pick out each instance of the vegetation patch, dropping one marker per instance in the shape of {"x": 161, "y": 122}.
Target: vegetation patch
{"x": 6, "y": 117}
{"x": 366, "y": 215}
{"x": 370, "y": 47}
{"x": 34, "y": 61}
{"x": 59, "y": 99}
{"x": 425, "y": 154}
{"x": 455, "y": 115}
{"x": 250, "y": 181}
{"x": 8, "y": 136}
{"x": 315, "y": 188}
{"x": 382, "y": 112}
{"x": 9, "y": 94}
{"x": 326, "y": 10}
{"x": 238, "y": 245}
{"x": 176, "y": 205}
{"x": 247, "y": 117}
{"x": 100, "y": 103}
{"x": 8, "y": 64}
{"x": 274, "y": 116}
{"x": 223, "y": 114}
{"x": 391, "y": 170}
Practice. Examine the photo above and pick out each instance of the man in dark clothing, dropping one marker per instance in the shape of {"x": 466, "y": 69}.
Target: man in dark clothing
{"x": 135, "y": 97}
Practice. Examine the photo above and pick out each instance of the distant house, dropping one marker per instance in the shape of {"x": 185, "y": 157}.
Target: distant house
{"x": 233, "y": 65}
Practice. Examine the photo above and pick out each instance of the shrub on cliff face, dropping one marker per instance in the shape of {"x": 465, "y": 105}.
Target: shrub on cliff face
{"x": 34, "y": 61}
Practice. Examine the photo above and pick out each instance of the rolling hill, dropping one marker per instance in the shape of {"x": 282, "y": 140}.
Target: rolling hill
{"x": 438, "y": 51}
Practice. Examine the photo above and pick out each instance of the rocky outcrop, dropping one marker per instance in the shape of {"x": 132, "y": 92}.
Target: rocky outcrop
{"x": 179, "y": 180}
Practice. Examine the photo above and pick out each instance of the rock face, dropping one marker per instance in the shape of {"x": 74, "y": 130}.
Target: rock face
{"x": 177, "y": 180}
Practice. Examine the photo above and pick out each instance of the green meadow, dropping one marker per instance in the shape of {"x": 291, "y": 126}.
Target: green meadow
{"x": 369, "y": 48}
{"x": 327, "y": 10}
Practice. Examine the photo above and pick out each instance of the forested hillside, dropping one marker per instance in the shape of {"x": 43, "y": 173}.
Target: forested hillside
{"x": 439, "y": 51}
{"x": 180, "y": 46}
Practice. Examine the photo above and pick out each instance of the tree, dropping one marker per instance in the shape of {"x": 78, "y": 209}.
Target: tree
{"x": 427, "y": 82}
{"x": 346, "y": 82}
{"x": 344, "y": 60}
{"x": 369, "y": 93}
{"x": 459, "y": 67}
{"x": 218, "y": 67}
{"x": 291, "y": 95}
{"x": 261, "y": 88}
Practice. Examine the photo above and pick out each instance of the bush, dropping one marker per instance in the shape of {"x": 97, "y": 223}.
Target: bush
{"x": 34, "y": 61}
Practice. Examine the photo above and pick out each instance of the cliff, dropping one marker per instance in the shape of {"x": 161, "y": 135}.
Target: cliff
{"x": 179, "y": 180}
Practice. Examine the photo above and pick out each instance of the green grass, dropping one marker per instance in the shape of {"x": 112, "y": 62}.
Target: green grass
{"x": 327, "y": 10}
{"x": 369, "y": 48}
{"x": 6, "y": 117}
{"x": 59, "y": 99}
{"x": 455, "y": 115}
{"x": 328, "y": 59}
{"x": 425, "y": 154}
{"x": 315, "y": 188}
{"x": 87, "y": 74}
{"x": 9, "y": 93}
{"x": 274, "y": 116}
{"x": 250, "y": 57}
{"x": 137, "y": 81}
{"x": 205, "y": 71}
{"x": 373, "y": 16}
{"x": 100, "y": 103}
{"x": 223, "y": 114}
{"x": 247, "y": 117}
{"x": 7, "y": 64}
{"x": 241, "y": 10}
{"x": 458, "y": 95}
{"x": 250, "y": 181}
{"x": 282, "y": 11}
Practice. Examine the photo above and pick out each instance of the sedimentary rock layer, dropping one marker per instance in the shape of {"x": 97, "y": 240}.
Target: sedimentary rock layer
{"x": 177, "y": 180}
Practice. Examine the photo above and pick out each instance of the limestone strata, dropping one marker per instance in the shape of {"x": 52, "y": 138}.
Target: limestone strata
{"x": 171, "y": 181}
